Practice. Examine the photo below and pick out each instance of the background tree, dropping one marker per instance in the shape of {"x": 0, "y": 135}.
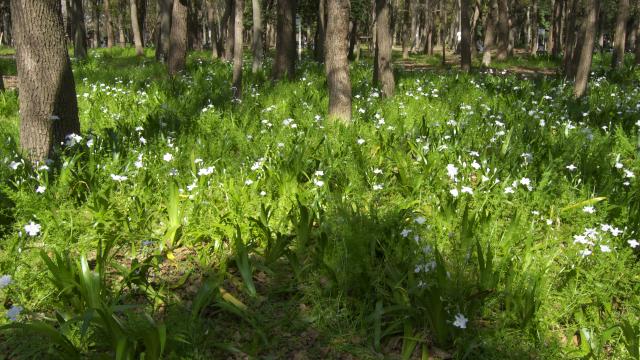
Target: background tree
{"x": 489, "y": 35}
{"x": 48, "y": 105}
{"x": 336, "y": 61}
{"x": 620, "y": 37}
{"x": 320, "y": 31}
{"x": 237, "y": 52}
{"x": 586, "y": 53}
{"x": 165, "y": 8}
{"x": 382, "y": 69}
{"x": 135, "y": 27}
{"x": 256, "y": 41}
{"x": 503, "y": 29}
{"x": 108, "y": 23}
{"x": 465, "y": 43}
{"x": 284, "y": 64}
{"x": 179, "y": 37}
{"x": 78, "y": 30}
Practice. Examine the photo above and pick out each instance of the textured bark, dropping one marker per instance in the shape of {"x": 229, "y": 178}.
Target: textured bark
{"x": 78, "y": 30}
{"x": 534, "y": 27}
{"x": 383, "y": 71}
{"x": 489, "y": 35}
{"x": 503, "y": 30}
{"x": 284, "y": 64}
{"x": 108, "y": 23}
{"x": 135, "y": 27}
{"x": 178, "y": 43}
{"x": 465, "y": 41}
{"x": 256, "y": 41}
{"x": 320, "y": 31}
{"x": 584, "y": 65}
{"x": 237, "y": 48}
{"x": 48, "y": 105}
{"x": 213, "y": 27}
{"x": 164, "y": 34}
{"x": 620, "y": 37}
{"x": 336, "y": 61}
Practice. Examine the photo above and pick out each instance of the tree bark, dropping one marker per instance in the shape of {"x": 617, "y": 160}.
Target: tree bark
{"x": 534, "y": 27}
{"x": 164, "y": 34}
{"x": 78, "y": 30}
{"x": 213, "y": 27}
{"x": 178, "y": 43}
{"x": 503, "y": 30}
{"x": 406, "y": 29}
{"x": 584, "y": 64}
{"x": 135, "y": 27}
{"x": 354, "y": 43}
{"x": 48, "y": 105}
{"x": 320, "y": 32}
{"x": 108, "y": 24}
{"x": 229, "y": 36}
{"x": 465, "y": 41}
{"x": 256, "y": 41}
{"x": 383, "y": 70}
{"x": 336, "y": 61}
{"x": 489, "y": 35}
{"x": 571, "y": 46}
{"x": 237, "y": 48}
{"x": 285, "y": 60}
{"x": 620, "y": 37}
{"x": 95, "y": 13}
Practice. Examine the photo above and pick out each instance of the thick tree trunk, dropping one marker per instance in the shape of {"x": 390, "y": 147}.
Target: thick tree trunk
{"x": 256, "y": 40}
{"x": 178, "y": 43}
{"x": 48, "y": 105}
{"x": 489, "y": 35}
{"x": 465, "y": 41}
{"x": 383, "y": 70}
{"x": 108, "y": 24}
{"x": 135, "y": 27}
{"x": 620, "y": 37}
{"x": 285, "y": 60}
{"x": 336, "y": 62}
{"x": 79, "y": 30}
{"x": 165, "y": 8}
{"x": 534, "y": 27}
{"x": 237, "y": 48}
{"x": 584, "y": 64}
{"x": 503, "y": 29}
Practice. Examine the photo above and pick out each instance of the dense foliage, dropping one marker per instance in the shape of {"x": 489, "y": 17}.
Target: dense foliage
{"x": 486, "y": 215}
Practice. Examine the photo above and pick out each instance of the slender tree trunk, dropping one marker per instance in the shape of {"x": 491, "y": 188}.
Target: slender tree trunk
{"x": 406, "y": 29}
{"x": 489, "y": 35}
{"x": 165, "y": 7}
{"x": 353, "y": 39}
{"x": 465, "y": 41}
{"x": 620, "y": 37}
{"x": 256, "y": 43}
{"x": 213, "y": 27}
{"x": 320, "y": 31}
{"x": 571, "y": 47}
{"x": 474, "y": 26}
{"x": 78, "y": 30}
{"x": 6, "y": 23}
{"x": 122, "y": 40}
{"x": 584, "y": 64}
{"x": 95, "y": 13}
{"x": 336, "y": 62}
{"x": 228, "y": 30}
{"x": 284, "y": 63}
{"x": 534, "y": 27}
{"x": 383, "y": 69}
{"x": 135, "y": 27}
{"x": 48, "y": 105}
{"x": 237, "y": 48}
{"x": 108, "y": 24}
{"x": 503, "y": 30}
{"x": 142, "y": 17}
{"x": 556, "y": 45}
{"x": 178, "y": 43}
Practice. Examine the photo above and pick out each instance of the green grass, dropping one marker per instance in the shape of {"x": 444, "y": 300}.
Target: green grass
{"x": 260, "y": 228}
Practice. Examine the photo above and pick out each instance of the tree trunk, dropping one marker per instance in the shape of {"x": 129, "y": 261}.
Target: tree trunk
{"x": 584, "y": 64}
{"x": 122, "y": 40}
{"x": 47, "y": 96}
{"x": 534, "y": 28}
{"x": 108, "y": 24}
{"x": 465, "y": 41}
{"x": 474, "y": 25}
{"x": 213, "y": 27}
{"x": 406, "y": 29}
{"x": 142, "y": 16}
{"x": 489, "y": 35}
{"x": 556, "y": 45}
{"x": 178, "y": 43}
{"x": 503, "y": 30}
{"x": 79, "y": 30}
{"x": 164, "y": 34}
{"x": 571, "y": 47}
{"x": 383, "y": 70}
{"x": 135, "y": 27}
{"x": 256, "y": 43}
{"x": 6, "y": 23}
{"x": 95, "y": 13}
{"x": 620, "y": 37}
{"x": 228, "y": 34}
{"x": 237, "y": 48}
{"x": 353, "y": 39}
{"x": 637, "y": 44}
{"x": 336, "y": 62}
{"x": 284, "y": 62}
